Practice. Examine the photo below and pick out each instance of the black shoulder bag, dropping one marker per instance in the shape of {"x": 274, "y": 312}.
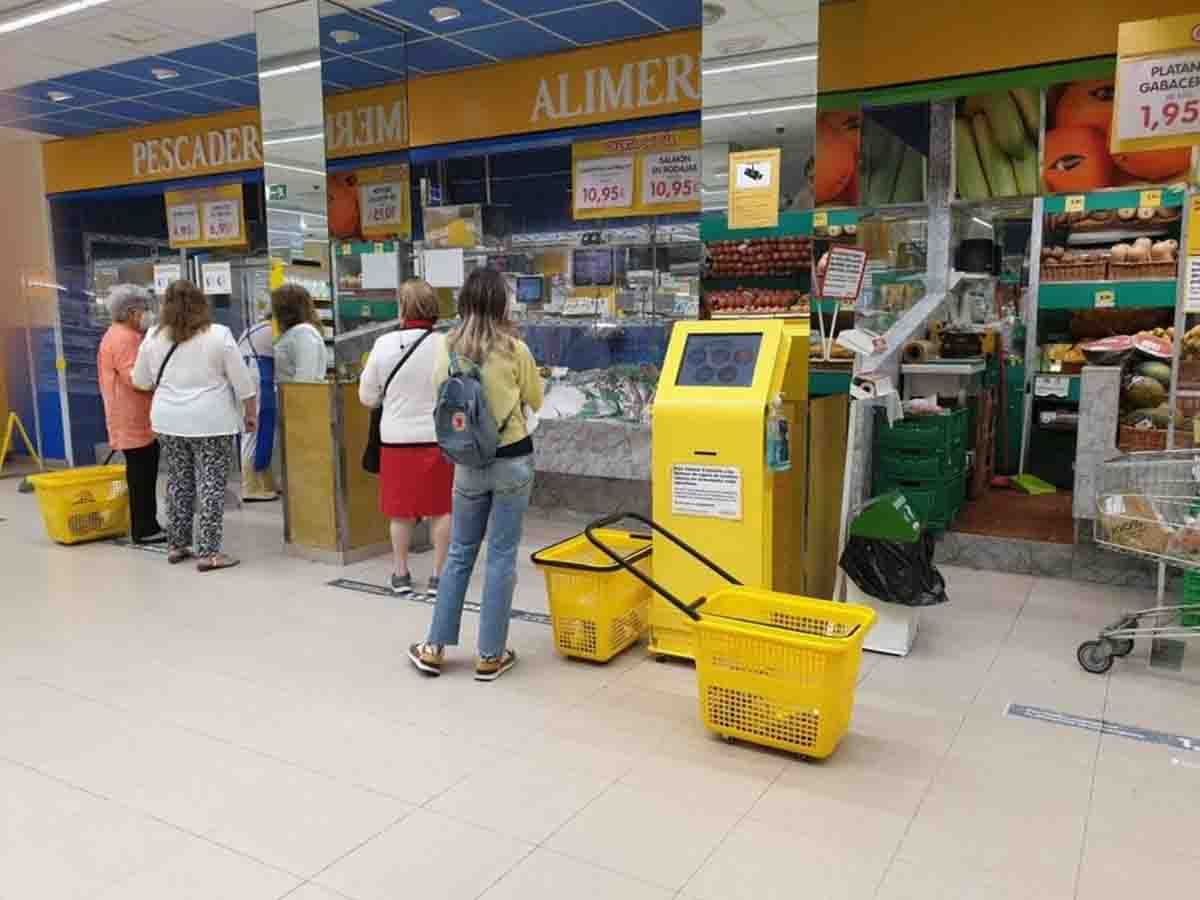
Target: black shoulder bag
{"x": 374, "y": 449}
{"x": 163, "y": 367}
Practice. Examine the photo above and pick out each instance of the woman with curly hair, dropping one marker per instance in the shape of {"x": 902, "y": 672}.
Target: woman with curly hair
{"x": 300, "y": 354}
{"x": 203, "y": 397}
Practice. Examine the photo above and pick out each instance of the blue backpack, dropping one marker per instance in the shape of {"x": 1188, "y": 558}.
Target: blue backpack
{"x": 466, "y": 429}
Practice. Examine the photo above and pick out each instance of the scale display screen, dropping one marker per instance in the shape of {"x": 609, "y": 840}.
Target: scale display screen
{"x": 593, "y": 267}
{"x": 719, "y": 360}
{"x": 529, "y": 288}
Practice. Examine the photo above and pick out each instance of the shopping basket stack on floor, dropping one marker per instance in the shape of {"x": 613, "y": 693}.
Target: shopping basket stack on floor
{"x": 90, "y": 503}
{"x": 772, "y": 669}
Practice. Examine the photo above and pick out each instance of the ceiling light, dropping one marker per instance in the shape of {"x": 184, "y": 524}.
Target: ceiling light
{"x": 60, "y": 96}
{"x": 711, "y": 117}
{"x": 296, "y": 169}
{"x": 164, "y": 74}
{"x": 45, "y": 15}
{"x": 711, "y": 13}
{"x": 742, "y": 67}
{"x": 289, "y": 70}
{"x": 743, "y": 44}
{"x": 444, "y": 14}
{"x": 341, "y": 36}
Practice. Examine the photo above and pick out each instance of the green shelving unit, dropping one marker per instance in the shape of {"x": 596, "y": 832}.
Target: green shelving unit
{"x": 1071, "y": 295}
{"x": 1119, "y": 199}
{"x": 362, "y": 248}
{"x": 375, "y": 310}
{"x": 715, "y": 226}
{"x": 824, "y": 383}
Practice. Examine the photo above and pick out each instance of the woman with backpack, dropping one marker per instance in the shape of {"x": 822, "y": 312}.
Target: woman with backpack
{"x": 485, "y": 377}
{"x": 415, "y": 479}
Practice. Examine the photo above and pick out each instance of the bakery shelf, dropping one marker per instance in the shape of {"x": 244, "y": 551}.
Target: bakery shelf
{"x": 1126, "y": 294}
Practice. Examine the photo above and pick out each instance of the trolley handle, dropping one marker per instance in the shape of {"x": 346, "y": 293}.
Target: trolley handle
{"x": 688, "y": 610}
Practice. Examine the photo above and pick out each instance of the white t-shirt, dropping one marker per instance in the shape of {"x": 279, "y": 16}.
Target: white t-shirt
{"x": 300, "y": 355}
{"x": 408, "y": 410}
{"x": 203, "y": 385}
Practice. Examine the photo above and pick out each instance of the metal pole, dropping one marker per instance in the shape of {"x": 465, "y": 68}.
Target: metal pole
{"x": 64, "y": 404}
{"x": 487, "y": 178}
{"x": 1031, "y": 325}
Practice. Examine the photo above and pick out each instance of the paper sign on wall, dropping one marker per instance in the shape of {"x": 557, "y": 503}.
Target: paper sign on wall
{"x": 844, "y": 273}
{"x": 223, "y": 222}
{"x": 443, "y": 268}
{"x": 384, "y": 202}
{"x": 183, "y": 223}
{"x": 217, "y": 278}
{"x": 754, "y": 189}
{"x": 713, "y": 492}
{"x": 164, "y": 274}
{"x": 206, "y": 217}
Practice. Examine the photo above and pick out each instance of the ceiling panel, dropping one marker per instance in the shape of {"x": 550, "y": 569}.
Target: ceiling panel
{"x": 596, "y": 24}
{"x": 221, "y": 57}
{"x": 143, "y": 71}
{"x": 40, "y": 90}
{"x": 390, "y": 58}
{"x": 14, "y": 106}
{"x": 670, "y": 13}
{"x": 501, "y": 40}
{"x": 244, "y": 41}
{"x": 347, "y": 72}
{"x": 208, "y": 19}
{"x": 346, "y": 33}
{"x": 104, "y": 82}
{"x": 475, "y": 13}
{"x": 193, "y": 103}
{"x": 435, "y": 55}
{"x": 137, "y": 110}
{"x": 237, "y": 91}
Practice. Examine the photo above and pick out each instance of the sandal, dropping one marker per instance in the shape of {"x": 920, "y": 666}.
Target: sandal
{"x": 220, "y": 561}
{"x": 176, "y": 555}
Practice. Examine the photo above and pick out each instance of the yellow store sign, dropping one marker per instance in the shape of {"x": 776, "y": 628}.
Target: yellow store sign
{"x": 206, "y": 217}
{"x": 640, "y": 175}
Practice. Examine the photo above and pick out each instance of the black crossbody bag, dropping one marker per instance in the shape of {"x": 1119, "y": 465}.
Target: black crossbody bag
{"x": 374, "y": 449}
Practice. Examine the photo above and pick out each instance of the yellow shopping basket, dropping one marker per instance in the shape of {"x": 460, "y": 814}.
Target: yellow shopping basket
{"x": 596, "y": 607}
{"x": 772, "y": 669}
{"x": 85, "y": 504}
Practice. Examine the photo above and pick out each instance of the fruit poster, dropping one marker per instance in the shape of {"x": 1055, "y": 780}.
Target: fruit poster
{"x": 996, "y": 144}
{"x": 372, "y": 203}
{"x": 894, "y": 154}
{"x": 835, "y": 169}
{"x": 1076, "y": 156}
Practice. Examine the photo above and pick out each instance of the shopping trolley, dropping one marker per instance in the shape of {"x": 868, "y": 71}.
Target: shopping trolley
{"x": 1147, "y": 505}
{"x": 772, "y": 669}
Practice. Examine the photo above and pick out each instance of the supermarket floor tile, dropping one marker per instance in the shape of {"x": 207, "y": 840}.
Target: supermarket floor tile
{"x": 259, "y": 734}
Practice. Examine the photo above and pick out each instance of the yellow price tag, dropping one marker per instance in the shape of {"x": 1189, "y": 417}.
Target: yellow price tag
{"x": 820, "y": 220}
{"x": 1196, "y": 430}
{"x": 1074, "y": 203}
{"x": 1150, "y": 199}
{"x": 60, "y": 363}
{"x": 379, "y": 246}
{"x": 345, "y": 249}
{"x": 1105, "y": 299}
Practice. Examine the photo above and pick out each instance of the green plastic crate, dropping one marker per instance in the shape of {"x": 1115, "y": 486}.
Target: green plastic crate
{"x": 936, "y": 502}
{"x": 1191, "y": 597}
{"x": 894, "y": 463}
{"x": 922, "y": 432}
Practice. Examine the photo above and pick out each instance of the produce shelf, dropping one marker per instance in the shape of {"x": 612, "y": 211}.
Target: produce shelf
{"x": 822, "y": 382}
{"x": 715, "y": 226}
{"x": 376, "y": 310}
{"x": 361, "y": 248}
{"x": 1126, "y": 294}
{"x": 798, "y": 281}
{"x": 1045, "y": 385}
{"x": 1119, "y": 199}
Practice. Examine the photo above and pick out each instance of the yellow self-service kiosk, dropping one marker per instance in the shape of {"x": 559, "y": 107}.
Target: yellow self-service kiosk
{"x": 724, "y": 386}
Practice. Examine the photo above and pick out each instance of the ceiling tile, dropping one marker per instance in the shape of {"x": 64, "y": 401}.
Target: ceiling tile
{"x": 670, "y": 13}
{"x": 133, "y": 35}
{"x": 58, "y": 128}
{"x": 107, "y": 83}
{"x": 596, "y": 24}
{"x": 136, "y": 109}
{"x": 86, "y": 118}
{"x": 438, "y": 55}
{"x": 746, "y": 37}
{"x": 194, "y": 103}
{"x": 738, "y": 11}
{"x": 786, "y": 7}
{"x": 513, "y": 40}
{"x": 802, "y": 28}
{"x": 143, "y": 70}
{"x": 217, "y": 57}
{"x": 40, "y": 90}
{"x": 237, "y": 91}
{"x": 370, "y": 35}
{"x": 391, "y": 58}
{"x": 536, "y": 7}
{"x": 244, "y": 41}
{"x": 210, "y": 19}
{"x": 23, "y": 65}
{"x": 14, "y": 106}
{"x": 354, "y": 72}
{"x": 416, "y": 12}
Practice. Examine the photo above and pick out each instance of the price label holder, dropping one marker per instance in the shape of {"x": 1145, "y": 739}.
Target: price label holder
{"x": 820, "y": 221}
{"x": 1074, "y": 203}
{"x": 671, "y": 178}
{"x": 1052, "y": 386}
{"x": 222, "y": 222}
{"x": 1105, "y": 299}
{"x": 217, "y": 278}
{"x": 184, "y": 223}
{"x": 1150, "y": 199}
{"x": 345, "y": 249}
{"x": 164, "y": 274}
{"x": 605, "y": 183}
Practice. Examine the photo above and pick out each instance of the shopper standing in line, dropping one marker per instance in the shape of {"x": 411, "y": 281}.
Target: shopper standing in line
{"x": 127, "y": 409}
{"x": 300, "y": 354}
{"x": 492, "y": 500}
{"x": 203, "y": 396}
{"x": 415, "y": 479}
{"x": 258, "y": 447}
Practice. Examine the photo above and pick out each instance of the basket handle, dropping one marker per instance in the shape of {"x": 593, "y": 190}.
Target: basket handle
{"x": 688, "y": 610}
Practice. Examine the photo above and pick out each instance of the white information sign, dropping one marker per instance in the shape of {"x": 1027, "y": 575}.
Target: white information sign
{"x": 1192, "y": 303}
{"x": 1159, "y": 96}
{"x": 844, "y": 273}
{"x": 183, "y": 222}
{"x": 222, "y": 221}
{"x": 1052, "y": 386}
{"x": 381, "y": 207}
{"x": 671, "y": 177}
{"x": 605, "y": 183}
{"x": 444, "y": 268}
{"x": 164, "y": 274}
{"x": 713, "y": 492}
{"x": 218, "y": 278}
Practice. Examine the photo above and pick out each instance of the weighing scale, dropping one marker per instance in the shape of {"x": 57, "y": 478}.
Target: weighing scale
{"x": 712, "y": 484}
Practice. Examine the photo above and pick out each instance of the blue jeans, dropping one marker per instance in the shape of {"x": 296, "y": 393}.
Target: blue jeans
{"x": 489, "y": 501}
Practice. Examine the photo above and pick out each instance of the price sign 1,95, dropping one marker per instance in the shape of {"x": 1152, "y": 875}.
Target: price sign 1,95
{"x": 1159, "y": 96}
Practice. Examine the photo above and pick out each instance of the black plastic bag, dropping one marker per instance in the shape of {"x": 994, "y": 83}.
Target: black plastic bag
{"x": 895, "y": 572}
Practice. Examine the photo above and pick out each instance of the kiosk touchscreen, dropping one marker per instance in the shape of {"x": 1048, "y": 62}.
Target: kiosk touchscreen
{"x": 712, "y": 482}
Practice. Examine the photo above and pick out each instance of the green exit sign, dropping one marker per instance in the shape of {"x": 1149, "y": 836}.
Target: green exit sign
{"x": 277, "y": 192}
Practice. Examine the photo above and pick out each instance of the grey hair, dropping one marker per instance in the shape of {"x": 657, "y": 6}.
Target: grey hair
{"x": 125, "y": 299}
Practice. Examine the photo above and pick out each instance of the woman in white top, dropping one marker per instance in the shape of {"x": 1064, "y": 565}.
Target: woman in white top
{"x": 415, "y": 479}
{"x": 300, "y": 354}
{"x": 203, "y": 396}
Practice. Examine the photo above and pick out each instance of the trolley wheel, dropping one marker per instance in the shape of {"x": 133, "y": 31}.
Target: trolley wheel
{"x": 1121, "y": 646}
{"x": 1095, "y": 656}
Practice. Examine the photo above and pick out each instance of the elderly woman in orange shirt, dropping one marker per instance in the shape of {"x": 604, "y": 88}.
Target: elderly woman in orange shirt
{"x": 127, "y": 409}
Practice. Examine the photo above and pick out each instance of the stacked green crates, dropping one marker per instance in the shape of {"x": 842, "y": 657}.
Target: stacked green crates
{"x": 925, "y": 458}
{"x": 1191, "y": 597}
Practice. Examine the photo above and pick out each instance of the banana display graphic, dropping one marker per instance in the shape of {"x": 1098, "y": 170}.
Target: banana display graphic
{"x": 893, "y": 171}
{"x": 995, "y": 142}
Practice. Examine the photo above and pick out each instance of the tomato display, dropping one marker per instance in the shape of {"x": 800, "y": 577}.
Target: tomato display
{"x": 755, "y": 300}
{"x": 759, "y": 257}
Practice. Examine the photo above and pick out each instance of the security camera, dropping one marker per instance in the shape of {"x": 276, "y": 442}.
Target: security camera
{"x": 780, "y": 129}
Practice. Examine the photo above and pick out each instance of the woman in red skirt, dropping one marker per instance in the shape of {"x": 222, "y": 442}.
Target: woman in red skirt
{"x": 415, "y": 480}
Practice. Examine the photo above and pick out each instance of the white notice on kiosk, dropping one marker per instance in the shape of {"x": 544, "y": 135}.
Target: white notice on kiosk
{"x": 714, "y": 492}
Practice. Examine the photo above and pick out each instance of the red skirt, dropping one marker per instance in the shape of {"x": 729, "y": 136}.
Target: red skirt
{"x": 414, "y": 482}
